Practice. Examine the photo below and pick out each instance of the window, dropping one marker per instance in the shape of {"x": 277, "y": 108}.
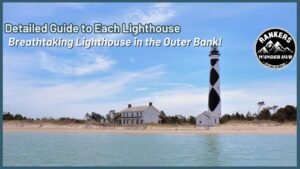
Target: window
{"x": 131, "y": 114}
{"x": 137, "y": 121}
{"x": 141, "y": 113}
{"x": 131, "y": 121}
{"x": 215, "y": 120}
{"x": 123, "y": 121}
{"x": 141, "y": 121}
{"x": 200, "y": 121}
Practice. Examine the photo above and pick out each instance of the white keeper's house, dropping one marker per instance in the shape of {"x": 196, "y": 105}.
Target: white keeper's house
{"x": 139, "y": 115}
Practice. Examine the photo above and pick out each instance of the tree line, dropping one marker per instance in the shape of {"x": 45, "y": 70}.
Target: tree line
{"x": 287, "y": 113}
{"x": 108, "y": 118}
{"x": 8, "y": 116}
{"x": 93, "y": 116}
{"x": 177, "y": 119}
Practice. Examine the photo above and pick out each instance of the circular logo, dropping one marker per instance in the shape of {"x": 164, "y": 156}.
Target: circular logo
{"x": 275, "y": 48}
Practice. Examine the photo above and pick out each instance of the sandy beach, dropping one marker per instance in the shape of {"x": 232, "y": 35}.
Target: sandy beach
{"x": 235, "y": 127}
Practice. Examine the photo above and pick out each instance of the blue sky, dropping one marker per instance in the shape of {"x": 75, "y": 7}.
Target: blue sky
{"x": 42, "y": 82}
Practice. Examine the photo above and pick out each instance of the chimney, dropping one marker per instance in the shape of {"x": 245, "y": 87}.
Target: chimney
{"x": 129, "y": 105}
{"x": 150, "y": 103}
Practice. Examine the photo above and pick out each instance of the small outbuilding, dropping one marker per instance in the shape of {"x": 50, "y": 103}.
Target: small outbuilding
{"x": 207, "y": 119}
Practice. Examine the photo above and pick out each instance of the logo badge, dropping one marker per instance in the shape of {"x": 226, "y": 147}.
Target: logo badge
{"x": 275, "y": 48}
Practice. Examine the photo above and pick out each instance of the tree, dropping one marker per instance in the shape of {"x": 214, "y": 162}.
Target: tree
{"x": 249, "y": 116}
{"x": 163, "y": 117}
{"x": 238, "y": 116}
{"x": 87, "y": 116}
{"x": 181, "y": 119}
{"x": 108, "y": 118}
{"x": 69, "y": 120}
{"x": 291, "y": 113}
{"x": 225, "y": 118}
{"x": 116, "y": 117}
{"x": 288, "y": 113}
{"x": 94, "y": 116}
{"x": 192, "y": 120}
{"x": 8, "y": 116}
{"x": 173, "y": 119}
{"x": 97, "y": 117}
{"x": 264, "y": 114}
{"x": 274, "y": 108}
{"x": 278, "y": 116}
{"x": 260, "y": 104}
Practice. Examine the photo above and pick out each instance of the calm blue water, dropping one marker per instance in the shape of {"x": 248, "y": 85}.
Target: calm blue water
{"x": 93, "y": 149}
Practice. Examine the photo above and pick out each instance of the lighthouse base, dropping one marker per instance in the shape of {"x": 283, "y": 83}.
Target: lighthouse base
{"x": 207, "y": 119}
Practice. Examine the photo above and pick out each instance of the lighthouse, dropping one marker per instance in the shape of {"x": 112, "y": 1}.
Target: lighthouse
{"x": 214, "y": 97}
{"x": 211, "y": 117}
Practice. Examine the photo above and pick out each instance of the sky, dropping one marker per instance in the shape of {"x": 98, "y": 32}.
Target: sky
{"x": 57, "y": 82}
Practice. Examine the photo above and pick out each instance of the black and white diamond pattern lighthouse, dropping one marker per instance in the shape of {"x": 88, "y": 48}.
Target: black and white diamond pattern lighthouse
{"x": 214, "y": 99}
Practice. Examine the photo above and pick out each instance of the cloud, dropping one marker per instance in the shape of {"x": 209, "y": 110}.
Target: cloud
{"x": 35, "y": 11}
{"x": 141, "y": 89}
{"x": 189, "y": 100}
{"x": 185, "y": 101}
{"x": 245, "y": 99}
{"x": 157, "y": 13}
{"x": 78, "y": 65}
{"x": 75, "y": 99}
{"x": 182, "y": 85}
{"x": 30, "y": 98}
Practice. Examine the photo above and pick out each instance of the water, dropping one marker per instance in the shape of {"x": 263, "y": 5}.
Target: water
{"x": 95, "y": 149}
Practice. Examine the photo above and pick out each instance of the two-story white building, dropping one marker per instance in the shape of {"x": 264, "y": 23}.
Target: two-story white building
{"x": 139, "y": 115}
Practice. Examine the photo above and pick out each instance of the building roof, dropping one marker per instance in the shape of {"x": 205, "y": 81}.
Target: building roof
{"x": 207, "y": 114}
{"x": 135, "y": 109}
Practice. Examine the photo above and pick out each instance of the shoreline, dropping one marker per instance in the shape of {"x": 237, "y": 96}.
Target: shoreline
{"x": 228, "y": 128}
{"x": 204, "y": 131}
